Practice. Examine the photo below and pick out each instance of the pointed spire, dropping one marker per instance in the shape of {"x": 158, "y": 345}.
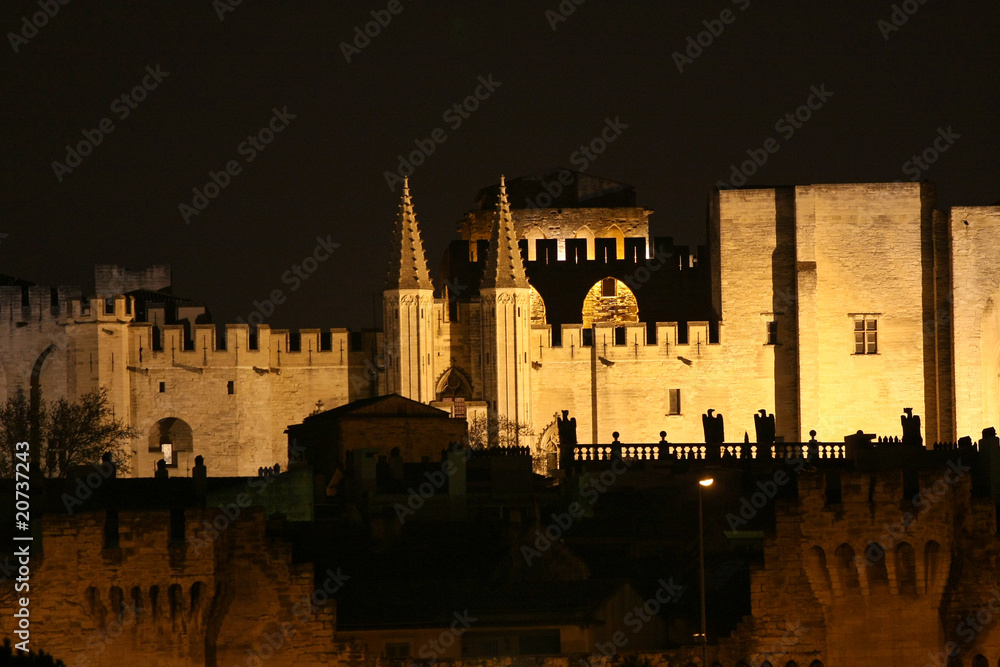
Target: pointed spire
{"x": 407, "y": 264}
{"x": 504, "y": 267}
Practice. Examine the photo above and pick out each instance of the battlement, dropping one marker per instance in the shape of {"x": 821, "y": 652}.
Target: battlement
{"x": 634, "y": 339}
{"x": 36, "y": 303}
{"x": 264, "y": 348}
{"x": 582, "y": 252}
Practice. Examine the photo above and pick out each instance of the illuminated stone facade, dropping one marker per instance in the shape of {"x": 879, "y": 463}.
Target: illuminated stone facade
{"x": 832, "y": 306}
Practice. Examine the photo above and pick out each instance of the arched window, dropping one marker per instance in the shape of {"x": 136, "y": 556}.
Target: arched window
{"x": 610, "y": 301}
{"x": 137, "y": 605}
{"x": 154, "y": 594}
{"x": 537, "y": 307}
{"x": 932, "y": 564}
{"x": 615, "y": 232}
{"x": 176, "y": 598}
{"x": 818, "y": 573}
{"x": 197, "y": 589}
{"x": 534, "y": 235}
{"x": 585, "y": 233}
{"x": 980, "y": 661}
{"x": 878, "y": 572}
{"x": 847, "y": 568}
{"x": 906, "y": 569}
{"x": 169, "y": 437}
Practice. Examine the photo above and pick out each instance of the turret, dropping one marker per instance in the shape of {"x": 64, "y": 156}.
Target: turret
{"x": 504, "y": 293}
{"x": 407, "y": 303}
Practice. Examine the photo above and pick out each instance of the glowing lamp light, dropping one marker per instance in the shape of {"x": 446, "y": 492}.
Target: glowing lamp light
{"x": 706, "y": 482}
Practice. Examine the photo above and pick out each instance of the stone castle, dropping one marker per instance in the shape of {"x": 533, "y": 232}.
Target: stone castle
{"x": 830, "y": 306}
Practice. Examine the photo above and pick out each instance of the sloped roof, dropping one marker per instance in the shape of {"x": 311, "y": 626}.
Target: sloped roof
{"x": 407, "y": 263}
{"x": 388, "y": 405}
{"x": 504, "y": 265}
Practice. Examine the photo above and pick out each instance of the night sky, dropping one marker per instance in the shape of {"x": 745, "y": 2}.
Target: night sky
{"x": 895, "y": 90}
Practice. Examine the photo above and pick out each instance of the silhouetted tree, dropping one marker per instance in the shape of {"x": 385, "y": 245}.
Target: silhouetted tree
{"x": 71, "y": 433}
{"x": 488, "y": 432}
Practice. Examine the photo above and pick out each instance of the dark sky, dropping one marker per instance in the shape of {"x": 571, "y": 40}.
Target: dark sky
{"x": 323, "y": 175}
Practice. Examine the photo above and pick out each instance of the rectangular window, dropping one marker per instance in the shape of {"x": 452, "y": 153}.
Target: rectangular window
{"x": 865, "y": 334}
{"x": 230, "y": 387}
{"x": 620, "y": 333}
{"x": 675, "y": 401}
{"x": 588, "y": 338}
{"x": 163, "y": 387}
{"x": 772, "y": 333}
{"x": 459, "y": 412}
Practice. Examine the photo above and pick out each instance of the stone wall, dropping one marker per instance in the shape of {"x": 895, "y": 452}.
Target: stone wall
{"x": 150, "y": 602}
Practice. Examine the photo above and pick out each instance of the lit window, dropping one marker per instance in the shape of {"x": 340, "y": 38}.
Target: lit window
{"x": 865, "y": 334}
{"x": 772, "y": 333}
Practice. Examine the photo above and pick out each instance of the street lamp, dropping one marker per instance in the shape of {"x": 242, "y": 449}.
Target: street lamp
{"x": 702, "y": 484}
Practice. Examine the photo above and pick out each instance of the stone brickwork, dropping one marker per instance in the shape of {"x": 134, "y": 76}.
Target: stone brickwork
{"x": 787, "y": 275}
{"x": 151, "y": 602}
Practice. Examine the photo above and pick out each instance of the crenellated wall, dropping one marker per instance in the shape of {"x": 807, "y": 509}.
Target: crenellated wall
{"x": 152, "y": 602}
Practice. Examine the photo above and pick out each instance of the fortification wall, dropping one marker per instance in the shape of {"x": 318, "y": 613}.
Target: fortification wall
{"x": 873, "y": 579}
{"x": 975, "y": 246}
{"x": 562, "y": 223}
{"x": 272, "y": 387}
{"x": 35, "y": 338}
{"x": 861, "y": 250}
{"x": 150, "y": 602}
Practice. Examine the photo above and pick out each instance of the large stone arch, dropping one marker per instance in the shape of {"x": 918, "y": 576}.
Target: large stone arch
{"x": 169, "y": 430}
{"x": 610, "y": 301}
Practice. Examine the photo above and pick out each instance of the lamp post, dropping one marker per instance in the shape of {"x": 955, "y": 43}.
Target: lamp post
{"x": 702, "y": 484}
